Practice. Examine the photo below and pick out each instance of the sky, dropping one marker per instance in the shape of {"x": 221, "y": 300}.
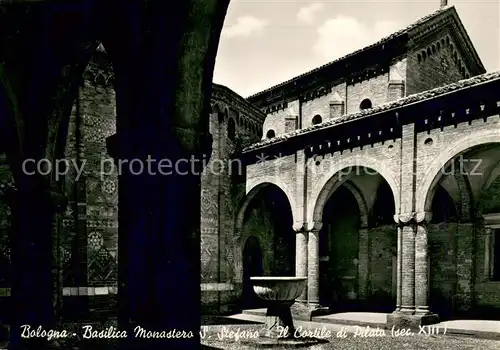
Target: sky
{"x": 265, "y": 42}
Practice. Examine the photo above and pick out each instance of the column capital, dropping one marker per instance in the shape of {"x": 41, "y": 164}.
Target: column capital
{"x": 299, "y": 227}
{"x": 423, "y": 217}
{"x": 313, "y": 226}
{"x": 413, "y": 217}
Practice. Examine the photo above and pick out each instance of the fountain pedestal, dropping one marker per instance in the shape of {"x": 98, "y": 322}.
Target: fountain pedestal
{"x": 279, "y": 321}
{"x": 280, "y": 294}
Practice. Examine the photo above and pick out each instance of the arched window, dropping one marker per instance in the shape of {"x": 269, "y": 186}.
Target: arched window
{"x": 270, "y": 134}
{"x": 231, "y": 129}
{"x": 317, "y": 119}
{"x": 365, "y": 104}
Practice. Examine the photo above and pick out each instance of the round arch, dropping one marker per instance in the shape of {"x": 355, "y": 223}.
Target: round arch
{"x": 239, "y": 237}
{"x": 252, "y": 191}
{"x": 327, "y": 184}
{"x": 427, "y": 187}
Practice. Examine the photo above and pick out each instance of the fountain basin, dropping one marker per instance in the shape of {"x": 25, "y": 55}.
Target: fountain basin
{"x": 280, "y": 289}
{"x": 280, "y": 293}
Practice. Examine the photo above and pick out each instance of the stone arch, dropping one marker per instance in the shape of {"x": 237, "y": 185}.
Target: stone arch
{"x": 363, "y": 207}
{"x": 252, "y": 191}
{"x": 327, "y": 184}
{"x": 239, "y": 237}
{"x": 270, "y": 134}
{"x": 425, "y": 190}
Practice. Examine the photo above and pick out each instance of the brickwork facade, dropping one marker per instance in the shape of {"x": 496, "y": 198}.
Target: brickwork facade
{"x": 432, "y": 52}
{"x": 442, "y": 263}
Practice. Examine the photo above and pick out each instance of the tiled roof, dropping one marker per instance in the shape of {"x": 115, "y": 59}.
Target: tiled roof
{"x": 462, "y": 84}
{"x": 381, "y": 41}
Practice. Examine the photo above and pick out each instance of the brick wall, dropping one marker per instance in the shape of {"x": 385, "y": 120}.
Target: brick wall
{"x": 90, "y": 225}
{"x": 436, "y": 64}
{"x": 276, "y": 121}
{"x": 222, "y": 193}
{"x": 375, "y": 89}
{"x": 321, "y": 105}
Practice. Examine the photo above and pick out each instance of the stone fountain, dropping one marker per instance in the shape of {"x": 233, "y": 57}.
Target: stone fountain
{"x": 280, "y": 294}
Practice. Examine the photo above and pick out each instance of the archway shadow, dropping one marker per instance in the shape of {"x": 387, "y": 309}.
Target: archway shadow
{"x": 252, "y": 266}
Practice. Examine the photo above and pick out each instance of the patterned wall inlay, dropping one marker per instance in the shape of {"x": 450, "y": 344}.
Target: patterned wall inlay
{"x": 102, "y": 265}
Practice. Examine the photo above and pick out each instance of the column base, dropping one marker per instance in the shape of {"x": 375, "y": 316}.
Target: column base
{"x": 305, "y": 312}
{"x": 401, "y": 319}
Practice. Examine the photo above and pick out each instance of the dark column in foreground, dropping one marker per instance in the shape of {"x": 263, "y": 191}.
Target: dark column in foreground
{"x": 33, "y": 212}
{"x": 163, "y": 55}
{"x": 159, "y": 240}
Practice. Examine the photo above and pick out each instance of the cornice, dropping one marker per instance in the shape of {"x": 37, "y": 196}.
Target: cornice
{"x": 462, "y": 85}
{"x": 447, "y": 23}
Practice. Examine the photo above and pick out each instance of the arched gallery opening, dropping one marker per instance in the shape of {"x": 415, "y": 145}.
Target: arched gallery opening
{"x": 358, "y": 245}
{"x": 464, "y": 235}
{"x": 269, "y": 239}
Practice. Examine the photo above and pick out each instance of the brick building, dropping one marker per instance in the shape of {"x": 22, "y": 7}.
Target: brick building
{"x": 386, "y": 161}
{"x": 284, "y": 217}
{"x": 87, "y": 233}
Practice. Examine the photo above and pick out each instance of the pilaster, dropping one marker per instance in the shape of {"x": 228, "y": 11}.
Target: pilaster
{"x": 396, "y": 89}
{"x": 337, "y": 109}
{"x": 290, "y": 123}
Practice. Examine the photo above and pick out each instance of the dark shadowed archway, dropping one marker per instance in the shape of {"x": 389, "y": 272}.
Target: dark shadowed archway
{"x": 267, "y": 220}
{"x": 441, "y": 239}
{"x": 339, "y": 249}
{"x": 382, "y": 252}
{"x": 252, "y": 266}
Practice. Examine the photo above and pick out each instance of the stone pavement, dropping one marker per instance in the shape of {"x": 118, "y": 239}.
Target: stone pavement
{"x": 233, "y": 332}
{"x": 473, "y": 328}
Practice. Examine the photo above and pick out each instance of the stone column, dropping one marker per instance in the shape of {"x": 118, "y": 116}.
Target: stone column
{"x": 33, "y": 207}
{"x": 301, "y": 260}
{"x": 399, "y": 267}
{"x": 407, "y": 264}
{"x": 413, "y": 273}
{"x": 159, "y": 237}
{"x": 313, "y": 266}
{"x": 487, "y": 254}
{"x": 421, "y": 264}
{"x": 363, "y": 263}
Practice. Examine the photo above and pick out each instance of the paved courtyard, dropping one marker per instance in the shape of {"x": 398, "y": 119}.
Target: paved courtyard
{"x": 230, "y": 333}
